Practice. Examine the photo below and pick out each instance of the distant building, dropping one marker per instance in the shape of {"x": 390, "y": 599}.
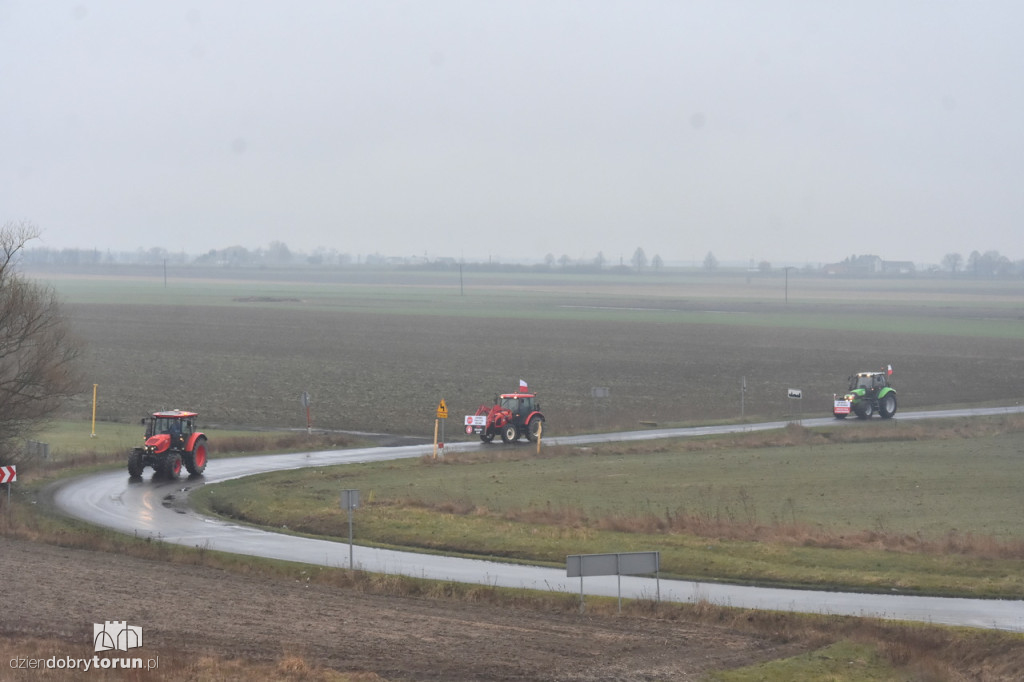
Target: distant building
{"x": 868, "y": 265}
{"x": 898, "y": 267}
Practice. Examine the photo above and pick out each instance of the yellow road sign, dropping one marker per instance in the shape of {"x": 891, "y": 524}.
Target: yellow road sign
{"x": 442, "y": 410}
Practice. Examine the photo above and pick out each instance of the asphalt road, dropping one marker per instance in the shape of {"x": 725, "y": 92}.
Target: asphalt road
{"x": 159, "y": 509}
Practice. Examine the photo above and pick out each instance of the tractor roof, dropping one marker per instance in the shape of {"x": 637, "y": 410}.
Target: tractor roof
{"x": 518, "y": 395}
{"x": 175, "y": 414}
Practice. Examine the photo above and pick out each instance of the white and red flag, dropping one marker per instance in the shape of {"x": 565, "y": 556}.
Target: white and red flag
{"x": 522, "y": 386}
{"x": 890, "y": 370}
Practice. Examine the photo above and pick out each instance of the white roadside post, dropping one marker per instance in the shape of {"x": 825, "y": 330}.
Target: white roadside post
{"x": 349, "y": 501}
{"x": 305, "y": 400}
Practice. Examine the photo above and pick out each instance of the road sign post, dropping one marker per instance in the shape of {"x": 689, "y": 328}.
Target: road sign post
{"x": 305, "y": 400}
{"x": 796, "y": 394}
{"x": 442, "y": 414}
{"x": 349, "y": 501}
{"x": 617, "y": 564}
{"x": 743, "y": 395}
{"x": 8, "y": 475}
{"x": 93, "y": 434}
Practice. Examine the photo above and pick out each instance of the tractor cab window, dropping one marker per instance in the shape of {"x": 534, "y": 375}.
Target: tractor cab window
{"x": 863, "y": 382}
{"x": 172, "y": 426}
{"x": 509, "y": 404}
{"x": 526, "y": 405}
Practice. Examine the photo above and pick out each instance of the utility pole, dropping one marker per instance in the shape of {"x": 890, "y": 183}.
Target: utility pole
{"x": 787, "y": 269}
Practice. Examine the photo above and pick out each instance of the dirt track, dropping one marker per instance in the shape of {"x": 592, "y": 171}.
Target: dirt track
{"x": 192, "y": 610}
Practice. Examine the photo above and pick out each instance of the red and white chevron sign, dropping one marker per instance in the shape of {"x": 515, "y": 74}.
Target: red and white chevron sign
{"x": 8, "y": 474}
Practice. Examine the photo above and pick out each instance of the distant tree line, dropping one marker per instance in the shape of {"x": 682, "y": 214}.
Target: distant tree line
{"x": 988, "y": 265}
{"x": 978, "y": 265}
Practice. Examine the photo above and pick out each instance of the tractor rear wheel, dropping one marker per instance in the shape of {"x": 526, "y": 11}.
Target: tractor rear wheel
{"x": 173, "y": 466}
{"x": 195, "y": 461}
{"x": 509, "y": 433}
{"x": 533, "y": 429}
{"x": 887, "y": 406}
{"x": 135, "y": 465}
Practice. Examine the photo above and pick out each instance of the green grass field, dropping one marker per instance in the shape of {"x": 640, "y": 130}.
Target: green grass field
{"x": 890, "y": 508}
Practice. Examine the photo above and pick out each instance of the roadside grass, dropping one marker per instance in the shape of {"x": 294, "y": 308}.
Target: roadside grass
{"x": 872, "y": 509}
{"x": 844, "y": 661}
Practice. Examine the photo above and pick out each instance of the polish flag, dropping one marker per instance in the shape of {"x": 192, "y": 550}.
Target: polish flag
{"x": 890, "y": 370}
{"x": 522, "y": 386}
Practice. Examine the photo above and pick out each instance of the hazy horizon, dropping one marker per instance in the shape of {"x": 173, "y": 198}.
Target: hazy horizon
{"x": 786, "y": 132}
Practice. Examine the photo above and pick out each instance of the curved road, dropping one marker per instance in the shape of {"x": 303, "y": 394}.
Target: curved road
{"x": 159, "y": 509}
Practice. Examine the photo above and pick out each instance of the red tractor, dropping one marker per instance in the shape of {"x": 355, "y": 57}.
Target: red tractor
{"x": 171, "y": 441}
{"x": 511, "y": 416}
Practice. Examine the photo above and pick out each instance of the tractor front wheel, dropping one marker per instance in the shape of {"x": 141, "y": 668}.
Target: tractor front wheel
{"x": 509, "y": 433}
{"x": 173, "y": 466}
{"x": 487, "y": 436}
{"x": 865, "y": 409}
{"x": 195, "y": 461}
{"x": 135, "y": 465}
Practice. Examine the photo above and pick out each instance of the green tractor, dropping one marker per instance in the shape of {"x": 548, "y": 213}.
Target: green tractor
{"x": 869, "y": 392}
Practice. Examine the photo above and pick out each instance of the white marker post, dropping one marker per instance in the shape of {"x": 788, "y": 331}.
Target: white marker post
{"x": 349, "y": 501}
{"x": 305, "y": 400}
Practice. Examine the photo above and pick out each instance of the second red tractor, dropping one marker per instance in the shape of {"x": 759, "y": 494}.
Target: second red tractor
{"x": 512, "y": 416}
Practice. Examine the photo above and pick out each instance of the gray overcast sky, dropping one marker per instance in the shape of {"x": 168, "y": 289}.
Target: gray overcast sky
{"x": 787, "y": 131}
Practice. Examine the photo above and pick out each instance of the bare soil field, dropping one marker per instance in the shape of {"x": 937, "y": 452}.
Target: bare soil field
{"x": 380, "y": 360}
{"x": 191, "y": 612}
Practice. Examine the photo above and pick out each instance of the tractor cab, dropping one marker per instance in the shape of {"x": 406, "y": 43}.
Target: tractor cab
{"x": 169, "y": 429}
{"x": 869, "y": 382}
{"x": 519, "y": 403}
